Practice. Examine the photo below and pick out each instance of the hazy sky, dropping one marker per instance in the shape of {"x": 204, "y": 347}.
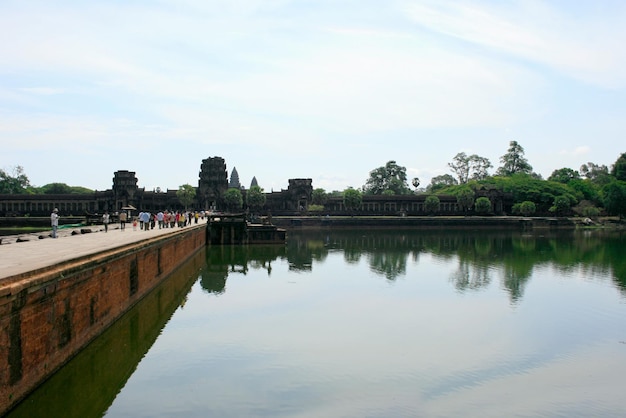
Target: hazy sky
{"x": 320, "y": 89}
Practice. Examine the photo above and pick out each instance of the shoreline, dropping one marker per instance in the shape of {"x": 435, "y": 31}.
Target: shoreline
{"x": 32, "y": 233}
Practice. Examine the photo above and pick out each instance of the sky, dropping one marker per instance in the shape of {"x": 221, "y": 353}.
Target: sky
{"x": 322, "y": 89}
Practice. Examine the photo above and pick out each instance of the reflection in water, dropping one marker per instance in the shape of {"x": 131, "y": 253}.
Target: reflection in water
{"x": 287, "y": 347}
{"x": 469, "y": 276}
{"x": 222, "y": 260}
{"x": 479, "y": 255}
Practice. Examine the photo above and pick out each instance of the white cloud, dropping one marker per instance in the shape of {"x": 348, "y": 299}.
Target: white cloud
{"x": 585, "y": 47}
{"x": 44, "y": 91}
{"x": 576, "y": 152}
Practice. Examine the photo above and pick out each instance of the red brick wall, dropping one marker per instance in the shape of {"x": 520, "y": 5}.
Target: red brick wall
{"x": 45, "y": 320}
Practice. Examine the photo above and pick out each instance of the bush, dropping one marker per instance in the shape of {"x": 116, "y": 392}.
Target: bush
{"x": 431, "y": 204}
{"x": 561, "y": 205}
{"x": 482, "y": 205}
{"x": 526, "y": 208}
{"x": 587, "y": 209}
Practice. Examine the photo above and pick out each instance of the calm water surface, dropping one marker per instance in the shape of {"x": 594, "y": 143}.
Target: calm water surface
{"x": 367, "y": 324}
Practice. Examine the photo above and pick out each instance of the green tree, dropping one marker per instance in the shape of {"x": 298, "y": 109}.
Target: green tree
{"x": 482, "y": 205}
{"x": 55, "y": 188}
{"x": 525, "y": 187}
{"x": 460, "y": 166}
{"x": 527, "y": 208}
{"x": 390, "y": 177}
{"x": 14, "y": 182}
{"x": 80, "y": 190}
{"x": 233, "y": 199}
{"x": 513, "y": 161}
{"x": 614, "y": 197}
{"x": 480, "y": 167}
{"x": 465, "y": 198}
{"x": 561, "y": 205}
{"x": 586, "y": 189}
{"x": 315, "y": 208}
{"x": 352, "y": 199}
{"x": 186, "y": 194}
{"x": 619, "y": 168}
{"x": 319, "y": 197}
{"x": 597, "y": 174}
{"x": 587, "y": 209}
{"x": 255, "y": 198}
{"x": 564, "y": 175}
{"x": 469, "y": 167}
{"x": 439, "y": 182}
{"x": 431, "y": 204}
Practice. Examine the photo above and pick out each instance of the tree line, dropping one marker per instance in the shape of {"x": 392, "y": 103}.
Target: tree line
{"x": 590, "y": 191}
{"x": 15, "y": 181}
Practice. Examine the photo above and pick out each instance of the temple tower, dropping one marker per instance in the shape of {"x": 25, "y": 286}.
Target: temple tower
{"x": 213, "y": 183}
{"x": 124, "y": 189}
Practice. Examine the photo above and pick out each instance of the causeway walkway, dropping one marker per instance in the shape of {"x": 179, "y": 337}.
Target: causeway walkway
{"x": 18, "y": 258}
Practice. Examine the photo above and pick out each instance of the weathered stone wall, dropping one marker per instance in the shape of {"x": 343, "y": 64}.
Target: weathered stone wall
{"x": 99, "y": 371}
{"x": 422, "y": 222}
{"x": 45, "y": 319}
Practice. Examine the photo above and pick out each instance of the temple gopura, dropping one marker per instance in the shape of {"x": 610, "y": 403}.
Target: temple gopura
{"x": 212, "y": 184}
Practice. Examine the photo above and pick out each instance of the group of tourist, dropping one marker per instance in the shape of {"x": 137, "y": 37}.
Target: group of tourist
{"x": 167, "y": 219}
{"x": 145, "y": 220}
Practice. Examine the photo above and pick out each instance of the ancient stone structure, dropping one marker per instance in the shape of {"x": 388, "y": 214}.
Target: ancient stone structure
{"x": 125, "y": 190}
{"x": 295, "y": 199}
{"x": 234, "y": 179}
{"x": 213, "y": 183}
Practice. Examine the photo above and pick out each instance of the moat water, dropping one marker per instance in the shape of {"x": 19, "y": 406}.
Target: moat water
{"x": 368, "y": 324}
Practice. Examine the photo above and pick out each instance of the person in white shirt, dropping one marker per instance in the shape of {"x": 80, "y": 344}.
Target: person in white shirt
{"x": 106, "y": 218}
{"x": 54, "y": 221}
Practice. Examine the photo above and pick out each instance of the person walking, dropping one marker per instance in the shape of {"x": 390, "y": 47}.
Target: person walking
{"x": 106, "y": 218}
{"x": 160, "y": 217}
{"x": 145, "y": 218}
{"x": 54, "y": 222}
{"x": 173, "y": 219}
{"x": 123, "y": 218}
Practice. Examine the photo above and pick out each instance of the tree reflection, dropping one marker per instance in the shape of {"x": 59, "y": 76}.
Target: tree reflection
{"x": 481, "y": 256}
{"x": 389, "y": 264}
{"x": 302, "y": 251}
{"x": 514, "y": 282}
{"x": 471, "y": 276}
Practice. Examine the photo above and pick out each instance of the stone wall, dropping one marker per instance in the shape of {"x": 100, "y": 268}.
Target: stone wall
{"x": 46, "y": 318}
{"x": 423, "y": 222}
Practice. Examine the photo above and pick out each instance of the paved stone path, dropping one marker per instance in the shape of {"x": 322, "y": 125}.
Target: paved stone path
{"x": 21, "y": 257}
